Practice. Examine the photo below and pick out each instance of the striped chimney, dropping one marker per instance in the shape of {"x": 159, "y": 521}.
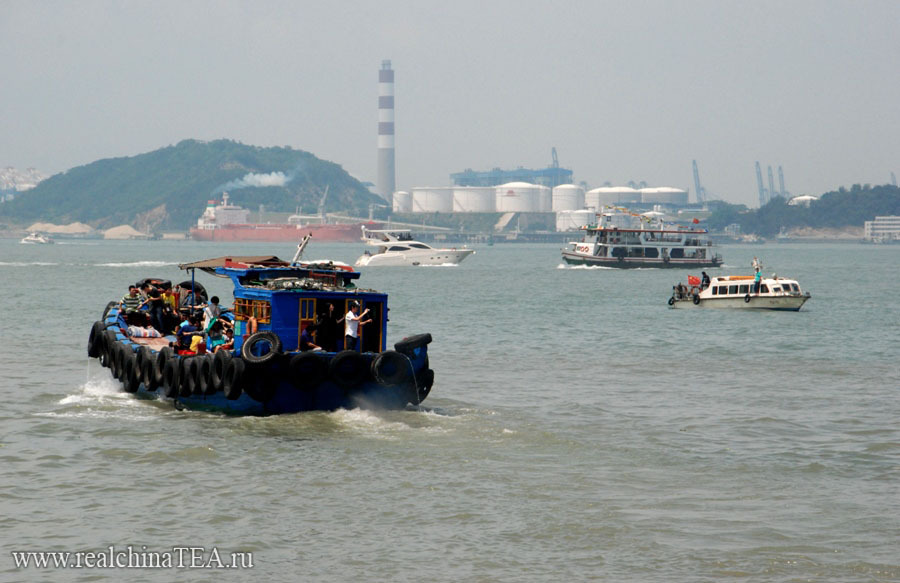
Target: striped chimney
{"x": 386, "y": 183}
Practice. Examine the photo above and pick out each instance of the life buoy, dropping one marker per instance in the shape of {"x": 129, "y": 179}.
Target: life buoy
{"x": 231, "y": 381}
{"x": 261, "y": 347}
{"x": 747, "y": 299}
{"x": 696, "y": 300}
{"x": 217, "y": 371}
{"x": 171, "y": 377}
{"x": 392, "y": 368}
{"x": 671, "y": 301}
{"x": 94, "y": 340}
{"x": 348, "y": 369}
{"x": 307, "y": 370}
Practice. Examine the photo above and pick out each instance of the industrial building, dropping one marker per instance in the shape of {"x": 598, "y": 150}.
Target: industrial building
{"x": 882, "y": 229}
{"x": 550, "y": 177}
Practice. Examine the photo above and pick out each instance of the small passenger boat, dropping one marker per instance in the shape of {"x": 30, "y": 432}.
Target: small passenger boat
{"x": 397, "y": 247}
{"x": 266, "y": 372}
{"x": 627, "y": 240}
{"x": 37, "y": 239}
{"x": 741, "y": 292}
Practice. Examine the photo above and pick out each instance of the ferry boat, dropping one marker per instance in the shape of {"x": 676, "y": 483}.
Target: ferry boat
{"x": 740, "y": 292}
{"x": 397, "y": 247}
{"x": 228, "y": 222}
{"x": 628, "y": 240}
{"x": 36, "y": 239}
{"x": 266, "y": 372}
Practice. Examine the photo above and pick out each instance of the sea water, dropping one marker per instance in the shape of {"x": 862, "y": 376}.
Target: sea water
{"x": 578, "y": 429}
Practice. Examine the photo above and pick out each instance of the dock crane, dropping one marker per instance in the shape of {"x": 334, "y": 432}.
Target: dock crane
{"x": 763, "y": 199}
{"x": 321, "y": 209}
{"x": 701, "y": 192}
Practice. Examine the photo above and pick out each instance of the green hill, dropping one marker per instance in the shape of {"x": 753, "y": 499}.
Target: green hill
{"x": 168, "y": 188}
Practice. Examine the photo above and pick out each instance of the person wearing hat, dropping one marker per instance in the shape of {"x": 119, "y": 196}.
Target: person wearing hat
{"x": 352, "y": 321}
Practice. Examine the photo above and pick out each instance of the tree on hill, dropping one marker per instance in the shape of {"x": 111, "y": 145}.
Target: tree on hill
{"x": 841, "y": 208}
{"x": 169, "y": 188}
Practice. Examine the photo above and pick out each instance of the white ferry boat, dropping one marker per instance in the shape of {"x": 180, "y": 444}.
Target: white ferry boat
{"x": 395, "y": 247}
{"x": 740, "y": 292}
{"x": 623, "y": 240}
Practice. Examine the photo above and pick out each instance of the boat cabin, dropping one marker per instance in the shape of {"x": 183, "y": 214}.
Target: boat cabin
{"x": 287, "y": 297}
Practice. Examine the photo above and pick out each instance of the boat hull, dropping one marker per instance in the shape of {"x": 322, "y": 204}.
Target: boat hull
{"x": 782, "y": 303}
{"x": 267, "y": 388}
{"x": 637, "y": 262}
{"x": 432, "y": 257}
{"x": 342, "y": 232}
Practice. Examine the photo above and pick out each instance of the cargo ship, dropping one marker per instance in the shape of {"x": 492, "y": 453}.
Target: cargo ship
{"x": 227, "y": 222}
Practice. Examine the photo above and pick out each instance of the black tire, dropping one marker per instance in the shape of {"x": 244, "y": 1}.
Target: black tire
{"x": 233, "y": 378}
{"x": 204, "y": 370}
{"x": 696, "y": 300}
{"x": 95, "y": 339}
{"x": 171, "y": 377}
{"x": 747, "y": 299}
{"x": 348, "y": 369}
{"x": 130, "y": 378}
{"x": 148, "y": 374}
{"x": 307, "y": 370}
{"x": 259, "y": 384}
{"x": 121, "y": 354}
{"x": 188, "y": 379}
{"x": 671, "y": 301}
{"x": 108, "y": 307}
{"x": 408, "y": 345}
{"x": 217, "y": 370}
{"x": 104, "y": 349}
{"x": 143, "y": 354}
{"x": 424, "y": 382}
{"x": 261, "y": 347}
{"x": 392, "y": 368}
{"x": 159, "y": 367}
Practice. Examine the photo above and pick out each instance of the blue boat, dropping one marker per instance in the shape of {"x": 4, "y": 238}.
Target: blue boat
{"x": 266, "y": 372}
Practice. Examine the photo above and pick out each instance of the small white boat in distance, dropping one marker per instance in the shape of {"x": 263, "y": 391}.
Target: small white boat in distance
{"x": 37, "y": 239}
{"x": 740, "y": 292}
{"x": 397, "y": 247}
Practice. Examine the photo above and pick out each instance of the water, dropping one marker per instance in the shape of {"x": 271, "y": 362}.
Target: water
{"x": 578, "y": 430}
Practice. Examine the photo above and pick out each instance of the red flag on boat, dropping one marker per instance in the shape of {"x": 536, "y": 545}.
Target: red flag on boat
{"x": 696, "y": 221}
{"x": 693, "y": 280}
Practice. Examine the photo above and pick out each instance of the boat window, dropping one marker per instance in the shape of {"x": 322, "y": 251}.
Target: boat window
{"x": 676, "y": 253}
{"x": 651, "y": 252}
{"x": 764, "y": 288}
{"x": 732, "y": 289}
{"x": 715, "y": 290}
{"x": 795, "y": 287}
{"x": 744, "y": 289}
{"x": 246, "y": 309}
{"x": 398, "y": 248}
{"x": 776, "y": 289}
{"x": 723, "y": 290}
{"x": 419, "y": 246}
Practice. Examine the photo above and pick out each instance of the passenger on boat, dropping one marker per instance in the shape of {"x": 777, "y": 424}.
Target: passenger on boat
{"x": 352, "y": 321}
{"x": 329, "y": 329}
{"x": 156, "y": 304}
{"x": 306, "y": 339}
{"x": 228, "y": 343}
{"x": 211, "y": 312}
{"x": 756, "y": 282}
{"x": 705, "y": 282}
{"x": 131, "y": 302}
{"x": 188, "y": 331}
{"x": 198, "y": 345}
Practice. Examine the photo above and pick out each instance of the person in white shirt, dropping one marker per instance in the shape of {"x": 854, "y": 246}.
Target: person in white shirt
{"x": 352, "y": 321}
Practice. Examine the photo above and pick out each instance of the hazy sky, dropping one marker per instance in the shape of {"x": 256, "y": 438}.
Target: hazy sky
{"x": 625, "y": 90}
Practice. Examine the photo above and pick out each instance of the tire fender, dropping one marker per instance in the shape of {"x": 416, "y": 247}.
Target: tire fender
{"x": 256, "y": 343}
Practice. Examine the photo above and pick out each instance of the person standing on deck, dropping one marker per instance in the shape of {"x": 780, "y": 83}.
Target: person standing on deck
{"x": 352, "y": 321}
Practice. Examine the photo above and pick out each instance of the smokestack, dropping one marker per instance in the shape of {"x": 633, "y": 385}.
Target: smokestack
{"x": 386, "y": 182}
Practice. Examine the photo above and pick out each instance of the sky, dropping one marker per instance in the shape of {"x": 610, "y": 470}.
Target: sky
{"x": 625, "y": 91}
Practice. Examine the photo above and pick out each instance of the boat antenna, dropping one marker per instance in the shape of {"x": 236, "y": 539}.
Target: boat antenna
{"x": 300, "y": 248}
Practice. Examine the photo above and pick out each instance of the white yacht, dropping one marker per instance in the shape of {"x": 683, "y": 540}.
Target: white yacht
{"x": 397, "y": 247}
{"x": 37, "y": 239}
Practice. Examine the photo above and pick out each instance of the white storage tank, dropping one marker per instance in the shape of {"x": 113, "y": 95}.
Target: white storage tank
{"x": 611, "y": 195}
{"x": 432, "y": 200}
{"x": 473, "y": 199}
{"x": 518, "y": 197}
{"x": 402, "y": 202}
{"x": 545, "y": 199}
{"x": 567, "y": 197}
{"x": 664, "y": 195}
{"x": 574, "y": 220}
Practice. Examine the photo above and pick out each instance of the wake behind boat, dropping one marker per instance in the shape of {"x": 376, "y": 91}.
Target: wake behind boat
{"x": 397, "y": 247}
